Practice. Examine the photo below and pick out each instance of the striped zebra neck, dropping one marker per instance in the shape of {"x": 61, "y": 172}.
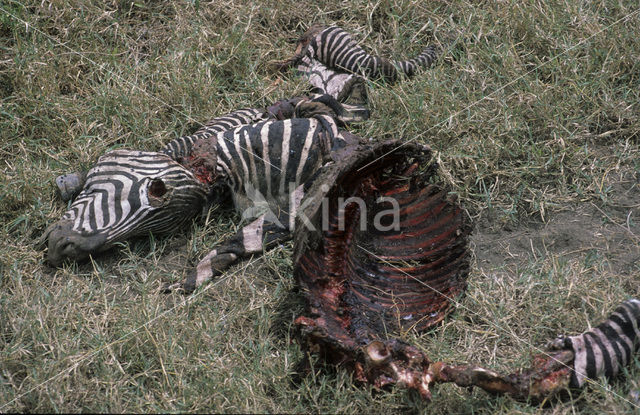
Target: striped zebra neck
{"x": 232, "y": 156}
{"x": 266, "y": 156}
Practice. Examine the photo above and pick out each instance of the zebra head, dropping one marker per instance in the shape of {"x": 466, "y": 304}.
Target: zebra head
{"x": 126, "y": 194}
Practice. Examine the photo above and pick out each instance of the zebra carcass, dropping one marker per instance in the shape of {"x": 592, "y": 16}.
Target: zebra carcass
{"x": 380, "y": 245}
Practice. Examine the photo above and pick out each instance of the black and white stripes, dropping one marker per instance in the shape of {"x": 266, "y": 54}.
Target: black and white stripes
{"x": 265, "y": 165}
{"x": 268, "y": 166}
{"x": 274, "y": 157}
{"x": 181, "y": 147}
{"x": 605, "y": 349}
{"x": 336, "y": 49}
{"x": 124, "y": 189}
{"x": 126, "y": 194}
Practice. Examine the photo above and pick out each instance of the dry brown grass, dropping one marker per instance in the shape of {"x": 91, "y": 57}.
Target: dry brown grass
{"x": 533, "y": 111}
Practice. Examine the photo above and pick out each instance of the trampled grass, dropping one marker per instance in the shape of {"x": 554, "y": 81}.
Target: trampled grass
{"x": 534, "y": 111}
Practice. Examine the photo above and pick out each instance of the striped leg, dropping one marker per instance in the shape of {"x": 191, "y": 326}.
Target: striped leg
{"x": 254, "y": 238}
{"x": 606, "y": 349}
{"x": 335, "y": 48}
{"x": 601, "y": 351}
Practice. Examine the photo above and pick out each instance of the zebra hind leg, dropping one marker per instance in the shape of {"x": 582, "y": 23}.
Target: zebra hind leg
{"x": 301, "y": 49}
{"x": 252, "y": 239}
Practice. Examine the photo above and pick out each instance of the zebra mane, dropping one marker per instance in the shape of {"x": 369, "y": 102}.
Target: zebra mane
{"x": 181, "y": 147}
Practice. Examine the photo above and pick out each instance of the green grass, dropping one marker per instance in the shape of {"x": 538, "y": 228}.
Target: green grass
{"x": 534, "y": 112}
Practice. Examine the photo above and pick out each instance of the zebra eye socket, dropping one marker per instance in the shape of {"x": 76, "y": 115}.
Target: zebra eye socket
{"x": 157, "y": 188}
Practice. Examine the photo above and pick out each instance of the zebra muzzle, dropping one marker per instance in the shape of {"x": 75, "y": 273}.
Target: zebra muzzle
{"x": 65, "y": 243}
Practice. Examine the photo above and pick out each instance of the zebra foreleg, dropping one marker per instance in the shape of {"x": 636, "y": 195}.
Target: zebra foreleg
{"x": 252, "y": 239}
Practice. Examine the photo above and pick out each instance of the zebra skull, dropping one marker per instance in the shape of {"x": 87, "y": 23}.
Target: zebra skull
{"x": 126, "y": 194}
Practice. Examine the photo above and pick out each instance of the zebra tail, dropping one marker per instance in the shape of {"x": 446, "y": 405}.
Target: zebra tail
{"x": 423, "y": 60}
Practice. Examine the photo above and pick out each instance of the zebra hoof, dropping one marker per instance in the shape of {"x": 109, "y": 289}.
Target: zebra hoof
{"x": 190, "y": 283}
{"x": 70, "y": 185}
{"x": 187, "y": 287}
{"x": 170, "y": 288}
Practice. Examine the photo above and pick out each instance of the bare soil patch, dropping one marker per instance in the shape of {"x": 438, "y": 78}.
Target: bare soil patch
{"x": 609, "y": 229}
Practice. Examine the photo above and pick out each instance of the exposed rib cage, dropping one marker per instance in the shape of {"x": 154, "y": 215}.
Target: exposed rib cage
{"x": 363, "y": 283}
{"x": 181, "y": 147}
{"x": 335, "y": 48}
{"x": 380, "y": 277}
